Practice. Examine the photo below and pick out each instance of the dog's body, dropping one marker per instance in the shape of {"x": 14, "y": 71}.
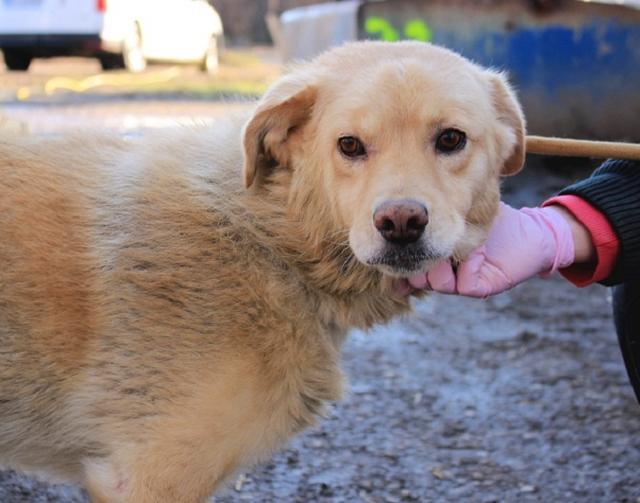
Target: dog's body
{"x": 161, "y": 325}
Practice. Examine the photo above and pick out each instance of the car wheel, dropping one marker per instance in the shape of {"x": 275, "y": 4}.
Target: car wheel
{"x": 211, "y": 58}
{"x": 111, "y": 61}
{"x": 132, "y": 52}
{"x": 17, "y": 59}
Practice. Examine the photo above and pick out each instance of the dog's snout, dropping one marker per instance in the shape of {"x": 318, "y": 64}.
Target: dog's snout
{"x": 401, "y": 222}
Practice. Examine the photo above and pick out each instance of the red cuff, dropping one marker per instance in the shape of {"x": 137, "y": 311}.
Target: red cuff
{"x": 603, "y": 236}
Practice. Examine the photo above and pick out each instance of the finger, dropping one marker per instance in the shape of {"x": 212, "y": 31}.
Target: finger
{"x": 419, "y": 280}
{"x": 402, "y": 287}
{"x": 477, "y": 277}
{"x": 441, "y": 278}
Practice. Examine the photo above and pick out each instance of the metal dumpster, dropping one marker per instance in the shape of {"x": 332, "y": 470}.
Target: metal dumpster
{"x": 575, "y": 64}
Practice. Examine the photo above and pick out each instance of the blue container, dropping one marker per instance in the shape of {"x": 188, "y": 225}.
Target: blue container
{"x": 574, "y": 64}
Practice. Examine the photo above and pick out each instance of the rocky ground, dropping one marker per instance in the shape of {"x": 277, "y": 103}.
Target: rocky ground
{"x": 521, "y": 397}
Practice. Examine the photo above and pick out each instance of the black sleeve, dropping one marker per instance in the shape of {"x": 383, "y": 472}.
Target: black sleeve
{"x": 614, "y": 190}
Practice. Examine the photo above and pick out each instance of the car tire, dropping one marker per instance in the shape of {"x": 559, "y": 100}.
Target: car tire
{"x": 132, "y": 51}
{"x": 211, "y": 59}
{"x": 16, "y": 59}
{"x": 111, "y": 62}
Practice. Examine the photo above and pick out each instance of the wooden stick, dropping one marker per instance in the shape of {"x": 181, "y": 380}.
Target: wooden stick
{"x": 582, "y": 148}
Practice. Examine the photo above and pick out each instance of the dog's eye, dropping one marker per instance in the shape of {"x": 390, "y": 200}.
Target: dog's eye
{"x": 451, "y": 140}
{"x": 350, "y": 146}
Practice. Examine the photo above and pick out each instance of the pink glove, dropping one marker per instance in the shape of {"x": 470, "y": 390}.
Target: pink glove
{"x": 521, "y": 244}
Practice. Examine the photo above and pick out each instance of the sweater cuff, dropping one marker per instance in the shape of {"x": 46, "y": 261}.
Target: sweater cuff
{"x": 603, "y": 237}
{"x": 614, "y": 190}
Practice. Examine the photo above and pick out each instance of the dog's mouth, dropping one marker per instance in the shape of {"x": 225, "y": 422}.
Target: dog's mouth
{"x": 404, "y": 260}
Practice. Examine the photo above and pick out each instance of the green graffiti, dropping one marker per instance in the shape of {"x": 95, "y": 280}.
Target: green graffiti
{"x": 382, "y": 28}
{"x": 417, "y": 29}
{"x": 414, "y": 29}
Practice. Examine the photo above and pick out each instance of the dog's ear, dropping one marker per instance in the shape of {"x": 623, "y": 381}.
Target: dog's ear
{"x": 511, "y": 140}
{"x": 283, "y": 109}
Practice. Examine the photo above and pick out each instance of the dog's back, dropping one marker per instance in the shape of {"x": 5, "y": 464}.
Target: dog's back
{"x": 132, "y": 289}
{"x": 47, "y": 292}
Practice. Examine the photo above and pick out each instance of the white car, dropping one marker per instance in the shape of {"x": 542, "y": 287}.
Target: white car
{"x": 119, "y": 32}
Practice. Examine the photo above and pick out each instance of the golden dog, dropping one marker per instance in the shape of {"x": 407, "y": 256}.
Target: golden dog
{"x": 172, "y": 308}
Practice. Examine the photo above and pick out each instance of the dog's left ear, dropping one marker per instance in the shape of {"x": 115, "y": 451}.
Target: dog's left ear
{"x": 283, "y": 109}
{"x": 511, "y": 140}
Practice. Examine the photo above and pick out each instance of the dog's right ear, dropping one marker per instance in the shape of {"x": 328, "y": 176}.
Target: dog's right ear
{"x": 283, "y": 109}
{"x": 512, "y": 122}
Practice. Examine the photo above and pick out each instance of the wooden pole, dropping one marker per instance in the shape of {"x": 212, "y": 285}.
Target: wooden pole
{"x": 582, "y": 148}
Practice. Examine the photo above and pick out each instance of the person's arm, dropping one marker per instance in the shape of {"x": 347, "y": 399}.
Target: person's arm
{"x": 614, "y": 191}
{"x": 584, "y": 249}
{"x": 595, "y": 242}
{"x": 573, "y": 234}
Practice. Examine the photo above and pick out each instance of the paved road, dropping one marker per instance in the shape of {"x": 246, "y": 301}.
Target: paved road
{"x": 67, "y": 93}
{"x": 124, "y": 114}
{"x": 522, "y": 397}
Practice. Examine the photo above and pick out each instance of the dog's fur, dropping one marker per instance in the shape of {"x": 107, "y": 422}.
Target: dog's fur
{"x": 167, "y": 316}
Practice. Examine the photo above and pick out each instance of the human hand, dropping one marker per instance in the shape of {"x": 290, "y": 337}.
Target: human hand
{"x": 521, "y": 244}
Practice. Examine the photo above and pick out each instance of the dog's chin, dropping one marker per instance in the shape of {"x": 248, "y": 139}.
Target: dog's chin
{"x": 404, "y": 261}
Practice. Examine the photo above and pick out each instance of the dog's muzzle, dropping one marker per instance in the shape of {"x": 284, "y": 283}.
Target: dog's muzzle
{"x": 401, "y": 224}
{"x": 403, "y": 259}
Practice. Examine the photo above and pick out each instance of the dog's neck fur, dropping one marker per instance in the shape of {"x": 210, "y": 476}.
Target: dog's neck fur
{"x": 321, "y": 260}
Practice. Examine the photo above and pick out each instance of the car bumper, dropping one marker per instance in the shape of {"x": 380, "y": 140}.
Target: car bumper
{"x": 55, "y": 44}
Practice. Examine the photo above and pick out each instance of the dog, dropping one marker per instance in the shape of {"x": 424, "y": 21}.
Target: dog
{"x": 172, "y": 307}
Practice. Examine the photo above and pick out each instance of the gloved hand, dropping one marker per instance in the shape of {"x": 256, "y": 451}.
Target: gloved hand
{"x": 521, "y": 244}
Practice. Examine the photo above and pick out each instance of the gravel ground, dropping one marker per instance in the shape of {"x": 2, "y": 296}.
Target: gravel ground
{"x": 522, "y": 397}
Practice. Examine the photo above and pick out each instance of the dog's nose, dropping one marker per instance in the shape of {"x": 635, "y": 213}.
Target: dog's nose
{"x": 401, "y": 222}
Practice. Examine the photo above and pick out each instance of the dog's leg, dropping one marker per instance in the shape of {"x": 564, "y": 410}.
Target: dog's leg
{"x": 232, "y": 418}
{"x": 185, "y": 471}
{"x": 103, "y": 483}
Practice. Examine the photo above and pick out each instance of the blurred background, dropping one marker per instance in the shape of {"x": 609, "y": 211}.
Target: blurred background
{"x": 522, "y": 397}
{"x": 575, "y": 64}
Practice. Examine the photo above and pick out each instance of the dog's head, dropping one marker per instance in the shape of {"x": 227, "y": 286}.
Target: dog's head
{"x": 398, "y": 146}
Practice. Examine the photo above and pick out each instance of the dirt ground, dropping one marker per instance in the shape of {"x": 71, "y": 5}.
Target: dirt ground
{"x": 521, "y": 397}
